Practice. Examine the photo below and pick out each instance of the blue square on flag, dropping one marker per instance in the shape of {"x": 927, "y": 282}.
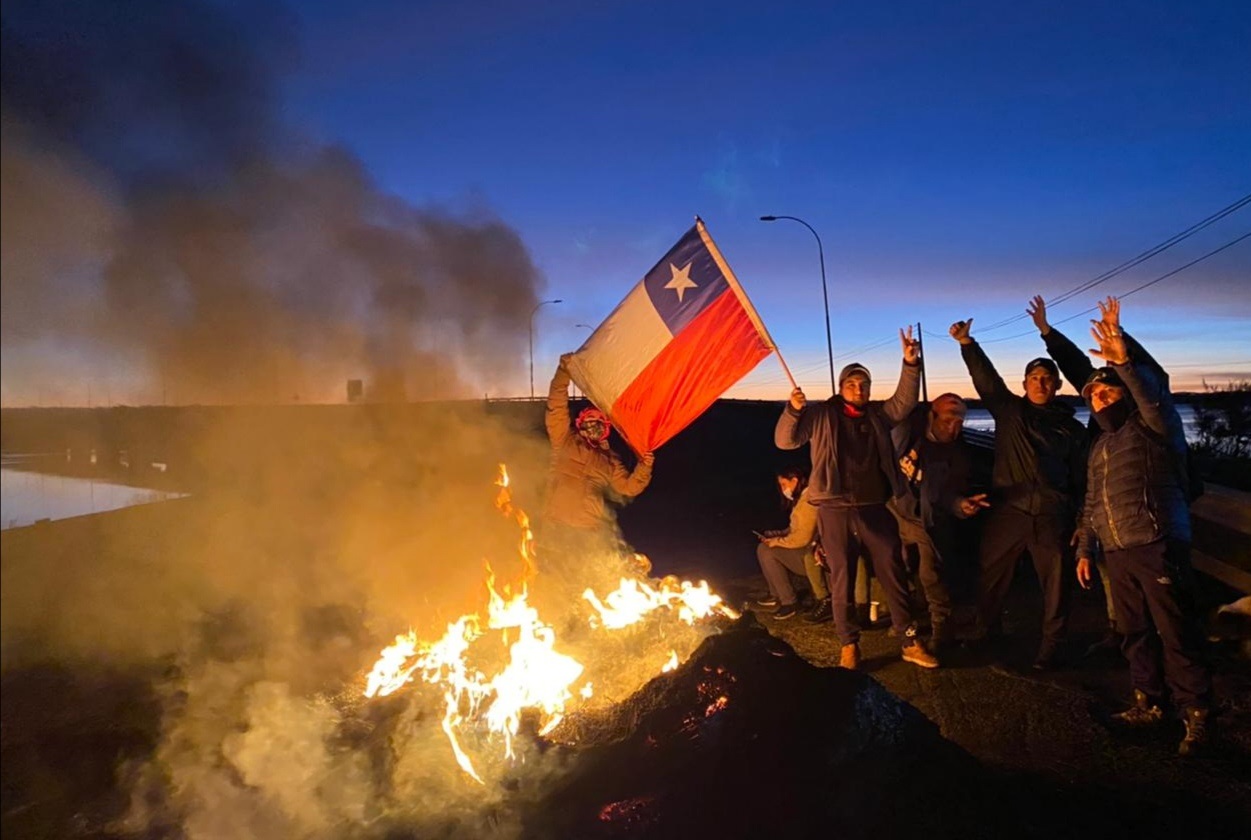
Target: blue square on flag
{"x": 685, "y": 282}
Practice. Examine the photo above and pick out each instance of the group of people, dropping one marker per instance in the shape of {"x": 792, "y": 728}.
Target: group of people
{"x": 1111, "y": 496}
{"x": 893, "y": 473}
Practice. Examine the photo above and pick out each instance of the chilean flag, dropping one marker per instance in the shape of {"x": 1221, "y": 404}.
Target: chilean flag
{"x": 682, "y": 336}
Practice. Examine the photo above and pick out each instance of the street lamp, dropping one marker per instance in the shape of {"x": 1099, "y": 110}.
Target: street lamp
{"x": 825, "y": 292}
{"x": 532, "y": 311}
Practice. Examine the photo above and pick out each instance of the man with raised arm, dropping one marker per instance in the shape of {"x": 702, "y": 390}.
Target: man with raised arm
{"x": 1040, "y": 463}
{"x": 1136, "y": 511}
{"x": 854, "y": 475}
{"x": 1076, "y": 367}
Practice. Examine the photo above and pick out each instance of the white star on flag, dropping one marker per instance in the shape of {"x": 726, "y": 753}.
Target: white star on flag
{"x": 681, "y": 280}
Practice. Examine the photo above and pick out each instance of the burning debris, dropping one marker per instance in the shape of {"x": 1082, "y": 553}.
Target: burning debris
{"x": 490, "y": 676}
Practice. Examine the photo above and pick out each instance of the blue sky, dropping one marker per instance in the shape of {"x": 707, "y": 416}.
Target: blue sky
{"x": 955, "y": 157}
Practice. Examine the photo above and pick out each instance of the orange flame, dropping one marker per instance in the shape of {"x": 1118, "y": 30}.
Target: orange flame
{"x": 536, "y": 676}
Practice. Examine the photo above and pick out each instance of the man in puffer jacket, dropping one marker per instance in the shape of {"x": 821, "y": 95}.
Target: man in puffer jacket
{"x": 578, "y": 533}
{"x": 1136, "y": 511}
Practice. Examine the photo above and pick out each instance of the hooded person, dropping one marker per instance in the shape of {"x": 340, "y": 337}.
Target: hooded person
{"x": 1136, "y": 513}
{"x": 578, "y": 532}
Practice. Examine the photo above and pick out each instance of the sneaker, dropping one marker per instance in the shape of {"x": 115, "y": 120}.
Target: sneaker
{"x": 785, "y": 611}
{"x": 849, "y": 657}
{"x": 822, "y": 612}
{"x": 918, "y": 655}
{"x": 1196, "y": 721}
{"x": 768, "y": 601}
{"x": 1144, "y": 712}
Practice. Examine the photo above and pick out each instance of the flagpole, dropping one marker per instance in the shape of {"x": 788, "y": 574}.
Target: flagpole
{"x": 733, "y": 283}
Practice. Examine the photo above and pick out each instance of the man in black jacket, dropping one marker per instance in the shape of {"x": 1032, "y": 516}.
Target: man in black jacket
{"x": 1136, "y": 511}
{"x": 1076, "y": 367}
{"x": 1040, "y": 463}
{"x": 853, "y": 476}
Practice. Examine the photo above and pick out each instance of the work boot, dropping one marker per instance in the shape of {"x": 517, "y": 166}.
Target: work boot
{"x": 916, "y": 653}
{"x": 849, "y": 657}
{"x": 1144, "y": 712}
{"x": 822, "y": 612}
{"x": 1196, "y": 721}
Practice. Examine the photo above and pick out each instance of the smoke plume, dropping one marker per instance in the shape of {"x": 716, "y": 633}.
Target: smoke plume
{"x": 166, "y": 232}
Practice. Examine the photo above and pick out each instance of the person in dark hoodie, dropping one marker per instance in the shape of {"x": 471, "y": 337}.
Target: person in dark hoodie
{"x": 935, "y": 464}
{"x": 1040, "y": 464}
{"x": 1136, "y": 511}
{"x": 853, "y": 476}
{"x": 1076, "y": 367}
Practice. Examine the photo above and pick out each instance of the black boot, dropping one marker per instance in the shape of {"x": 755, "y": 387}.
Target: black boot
{"x": 822, "y": 612}
{"x": 1196, "y": 721}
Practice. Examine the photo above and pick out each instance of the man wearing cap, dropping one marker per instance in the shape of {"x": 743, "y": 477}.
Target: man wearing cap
{"x": 853, "y": 476}
{"x": 1136, "y": 511}
{"x": 1076, "y": 367}
{"x": 936, "y": 468}
{"x": 1040, "y": 464}
{"x": 577, "y": 524}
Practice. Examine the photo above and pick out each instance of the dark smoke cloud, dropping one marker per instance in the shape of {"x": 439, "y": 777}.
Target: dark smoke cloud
{"x": 161, "y": 222}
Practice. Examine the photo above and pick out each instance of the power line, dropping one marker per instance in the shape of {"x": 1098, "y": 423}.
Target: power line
{"x": 1165, "y": 276}
{"x": 1130, "y": 263}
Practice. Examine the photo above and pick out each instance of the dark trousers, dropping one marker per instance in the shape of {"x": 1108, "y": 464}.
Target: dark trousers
{"x": 1153, "y": 589}
{"x": 778, "y": 564}
{"x": 929, "y": 569}
{"x": 846, "y": 532}
{"x": 1009, "y": 533}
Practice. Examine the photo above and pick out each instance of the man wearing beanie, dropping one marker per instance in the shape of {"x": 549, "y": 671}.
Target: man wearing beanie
{"x": 1136, "y": 512}
{"x": 1040, "y": 466}
{"x": 853, "y": 476}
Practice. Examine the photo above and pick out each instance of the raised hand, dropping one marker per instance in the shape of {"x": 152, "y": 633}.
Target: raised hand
{"x": 564, "y": 360}
{"x": 1037, "y": 309}
{"x": 798, "y": 400}
{"x": 1110, "y": 313}
{"x": 911, "y": 346}
{"x": 648, "y": 458}
{"x": 1111, "y": 340}
{"x": 960, "y": 331}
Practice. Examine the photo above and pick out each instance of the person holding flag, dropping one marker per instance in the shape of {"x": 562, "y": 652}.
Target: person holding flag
{"x": 854, "y": 475}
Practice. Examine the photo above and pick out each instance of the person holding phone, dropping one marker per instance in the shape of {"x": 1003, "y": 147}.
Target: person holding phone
{"x": 791, "y": 551}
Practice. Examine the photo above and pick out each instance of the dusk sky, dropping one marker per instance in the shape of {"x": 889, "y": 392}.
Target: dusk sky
{"x": 956, "y": 158}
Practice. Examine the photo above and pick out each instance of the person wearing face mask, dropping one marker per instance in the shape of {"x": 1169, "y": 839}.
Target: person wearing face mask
{"x": 1037, "y": 478}
{"x": 783, "y": 553}
{"x": 854, "y": 475}
{"x": 578, "y": 526}
{"x": 1136, "y": 512}
{"x": 935, "y": 464}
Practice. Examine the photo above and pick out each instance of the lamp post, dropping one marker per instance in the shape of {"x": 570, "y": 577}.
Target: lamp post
{"x": 825, "y": 292}
{"x": 532, "y": 312}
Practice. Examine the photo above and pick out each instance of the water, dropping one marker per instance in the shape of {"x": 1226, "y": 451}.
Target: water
{"x": 27, "y": 497}
{"x": 979, "y": 418}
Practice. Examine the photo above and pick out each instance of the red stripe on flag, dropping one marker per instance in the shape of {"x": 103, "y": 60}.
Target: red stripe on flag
{"x": 715, "y": 351}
